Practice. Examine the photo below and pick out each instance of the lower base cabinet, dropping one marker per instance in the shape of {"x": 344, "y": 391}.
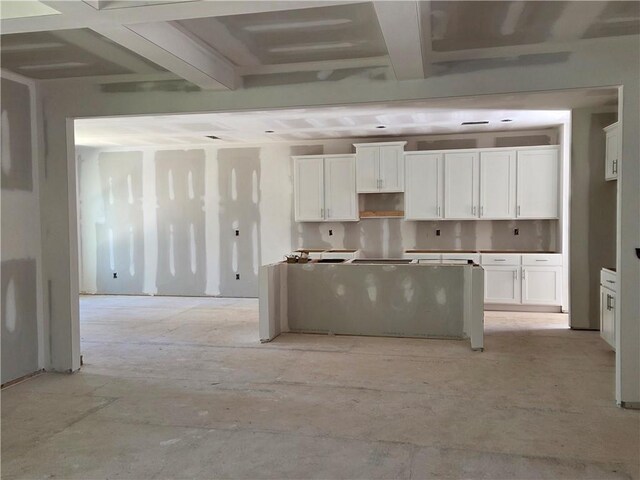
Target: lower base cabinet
{"x": 502, "y": 284}
{"x": 542, "y": 285}
{"x": 608, "y": 316}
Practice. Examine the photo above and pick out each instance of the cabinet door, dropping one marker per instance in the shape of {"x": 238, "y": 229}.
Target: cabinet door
{"x": 542, "y": 285}
{"x": 607, "y": 316}
{"x": 424, "y": 179}
{"x": 341, "y": 199}
{"x": 391, "y": 168}
{"x": 611, "y": 164}
{"x": 461, "y": 185}
{"x": 498, "y": 184}
{"x": 501, "y": 284}
{"x": 537, "y": 184}
{"x": 308, "y": 182}
{"x": 367, "y": 171}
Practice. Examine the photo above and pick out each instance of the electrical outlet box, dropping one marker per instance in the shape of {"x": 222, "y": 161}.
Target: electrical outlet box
{"x": 237, "y": 276}
{"x": 437, "y": 232}
{"x": 516, "y": 231}
{"x": 115, "y": 274}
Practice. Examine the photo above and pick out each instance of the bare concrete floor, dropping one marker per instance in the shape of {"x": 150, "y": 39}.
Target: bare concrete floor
{"x": 181, "y": 388}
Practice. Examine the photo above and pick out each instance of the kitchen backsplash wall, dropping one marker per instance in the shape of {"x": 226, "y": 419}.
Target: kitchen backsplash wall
{"x": 200, "y": 221}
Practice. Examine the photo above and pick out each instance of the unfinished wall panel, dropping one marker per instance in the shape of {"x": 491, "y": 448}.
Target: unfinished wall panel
{"x": 19, "y": 319}
{"x": 20, "y": 286}
{"x": 119, "y": 233}
{"x": 239, "y": 214}
{"x": 180, "y": 193}
{"x": 17, "y": 168}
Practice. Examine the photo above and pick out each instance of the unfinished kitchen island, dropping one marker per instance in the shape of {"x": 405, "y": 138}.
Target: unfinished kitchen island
{"x": 394, "y": 298}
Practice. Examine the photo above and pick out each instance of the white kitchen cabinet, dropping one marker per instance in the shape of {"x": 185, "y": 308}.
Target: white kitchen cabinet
{"x": 424, "y": 186}
{"x": 340, "y": 198}
{"x": 498, "y": 184}
{"x": 537, "y": 183}
{"x": 380, "y": 167}
{"x": 541, "y": 285}
{"x": 502, "y": 284}
{"x": 324, "y": 188}
{"x": 461, "y": 185}
{"x": 308, "y": 182}
{"x": 608, "y": 307}
{"x": 612, "y": 152}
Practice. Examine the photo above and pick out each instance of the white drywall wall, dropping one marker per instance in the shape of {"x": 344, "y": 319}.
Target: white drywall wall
{"x": 21, "y": 305}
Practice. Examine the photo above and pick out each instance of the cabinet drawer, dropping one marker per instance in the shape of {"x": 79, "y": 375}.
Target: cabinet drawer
{"x": 500, "y": 259}
{"x": 608, "y": 279}
{"x": 542, "y": 259}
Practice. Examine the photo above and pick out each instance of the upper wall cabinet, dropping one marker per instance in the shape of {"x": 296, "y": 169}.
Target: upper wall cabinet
{"x": 380, "y": 167}
{"x": 498, "y": 184}
{"x": 325, "y": 188}
{"x": 612, "y": 154}
{"x": 424, "y": 184}
{"x": 537, "y": 183}
{"x": 461, "y": 185}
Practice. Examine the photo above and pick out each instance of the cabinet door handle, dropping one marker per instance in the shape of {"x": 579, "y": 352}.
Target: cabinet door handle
{"x": 381, "y": 183}
{"x": 473, "y": 210}
{"x": 322, "y": 212}
{"x": 500, "y": 260}
{"x": 541, "y": 260}
{"x": 518, "y": 210}
{"x": 328, "y": 213}
{"x": 608, "y": 302}
{"x": 524, "y": 274}
{"x": 438, "y": 211}
{"x": 515, "y": 274}
{"x": 615, "y": 166}
{"x": 481, "y": 210}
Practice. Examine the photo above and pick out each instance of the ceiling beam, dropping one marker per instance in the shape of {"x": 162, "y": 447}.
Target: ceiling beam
{"x": 400, "y": 24}
{"x": 167, "y": 46}
{"x": 575, "y": 20}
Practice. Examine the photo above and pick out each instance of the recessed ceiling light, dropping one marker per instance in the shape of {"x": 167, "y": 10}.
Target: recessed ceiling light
{"x": 268, "y": 131}
{"x": 331, "y": 22}
{"x": 506, "y": 120}
{"x": 381, "y": 126}
{"x": 483, "y": 122}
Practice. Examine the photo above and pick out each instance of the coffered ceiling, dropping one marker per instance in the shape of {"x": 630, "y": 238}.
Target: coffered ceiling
{"x": 244, "y": 44}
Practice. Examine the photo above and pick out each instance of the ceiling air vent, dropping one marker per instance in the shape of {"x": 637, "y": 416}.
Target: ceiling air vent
{"x": 483, "y": 122}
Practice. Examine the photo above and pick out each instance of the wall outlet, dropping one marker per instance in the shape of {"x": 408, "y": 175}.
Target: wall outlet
{"x": 516, "y": 231}
{"x": 237, "y": 233}
{"x": 330, "y": 232}
{"x": 237, "y": 276}
{"x": 437, "y": 232}
{"x": 115, "y": 274}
